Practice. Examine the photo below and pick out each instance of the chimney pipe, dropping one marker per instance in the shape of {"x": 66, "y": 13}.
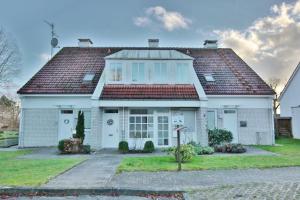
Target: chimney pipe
{"x": 210, "y": 44}
{"x": 85, "y": 43}
{"x": 153, "y": 42}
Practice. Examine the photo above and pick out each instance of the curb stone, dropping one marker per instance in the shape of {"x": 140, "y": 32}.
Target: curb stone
{"x": 24, "y": 191}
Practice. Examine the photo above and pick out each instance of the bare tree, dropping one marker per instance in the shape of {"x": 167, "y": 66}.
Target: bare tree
{"x": 9, "y": 58}
{"x": 274, "y": 83}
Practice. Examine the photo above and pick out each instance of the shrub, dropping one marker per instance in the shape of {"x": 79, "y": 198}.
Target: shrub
{"x": 148, "y": 147}
{"x": 230, "y": 148}
{"x": 61, "y": 145}
{"x": 123, "y": 147}
{"x": 199, "y": 150}
{"x": 187, "y": 152}
{"x": 219, "y": 136}
{"x": 80, "y": 127}
{"x": 86, "y": 149}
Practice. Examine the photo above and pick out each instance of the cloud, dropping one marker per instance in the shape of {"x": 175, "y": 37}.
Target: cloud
{"x": 271, "y": 45}
{"x": 158, "y": 15}
{"x": 44, "y": 57}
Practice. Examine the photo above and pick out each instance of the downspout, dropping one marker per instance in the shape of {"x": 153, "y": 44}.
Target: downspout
{"x": 123, "y": 123}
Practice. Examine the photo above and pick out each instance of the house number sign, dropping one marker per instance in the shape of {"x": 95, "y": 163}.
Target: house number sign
{"x": 110, "y": 122}
{"x": 66, "y": 121}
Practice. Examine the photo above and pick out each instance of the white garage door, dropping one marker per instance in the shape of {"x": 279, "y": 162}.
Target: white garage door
{"x": 296, "y": 122}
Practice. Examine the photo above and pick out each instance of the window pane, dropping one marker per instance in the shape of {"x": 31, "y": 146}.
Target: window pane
{"x": 144, "y": 127}
{"x": 118, "y": 72}
{"x": 144, "y": 119}
{"x": 165, "y": 126}
{"x": 132, "y": 119}
{"x": 87, "y": 119}
{"x": 157, "y": 72}
{"x": 138, "y": 119}
{"x": 164, "y": 72}
{"x": 210, "y": 120}
{"x": 134, "y": 72}
{"x": 138, "y": 127}
{"x": 150, "y": 119}
{"x": 166, "y": 141}
{"x": 144, "y": 134}
{"x": 138, "y": 134}
{"x": 131, "y": 134}
{"x": 111, "y": 72}
{"x": 141, "y": 72}
{"x": 132, "y": 127}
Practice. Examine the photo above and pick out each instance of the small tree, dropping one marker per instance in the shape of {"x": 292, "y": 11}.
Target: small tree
{"x": 80, "y": 126}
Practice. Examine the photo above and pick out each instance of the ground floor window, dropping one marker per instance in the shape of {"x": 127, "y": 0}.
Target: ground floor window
{"x": 163, "y": 130}
{"x": 211, "y": 119}
{"x": 141, "y": 126}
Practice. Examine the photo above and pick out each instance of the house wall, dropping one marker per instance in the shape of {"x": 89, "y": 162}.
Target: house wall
{"x": 291, "y": 97}
{"x": 256, "y": 111}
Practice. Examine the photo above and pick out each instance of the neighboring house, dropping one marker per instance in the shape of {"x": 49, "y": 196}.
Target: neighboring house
{"x": 132, "y": 94}
{"x": 290, "y": 101}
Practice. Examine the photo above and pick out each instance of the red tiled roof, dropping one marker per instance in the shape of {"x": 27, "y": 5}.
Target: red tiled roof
{"x": 64, "y": 73}
{"x": 149, "y": 91}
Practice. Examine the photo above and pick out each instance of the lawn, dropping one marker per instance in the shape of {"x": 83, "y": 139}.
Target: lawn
{"x": 289, "y": 151}
{"x": 8, "y": 134}
{"x": 31, "y": 172}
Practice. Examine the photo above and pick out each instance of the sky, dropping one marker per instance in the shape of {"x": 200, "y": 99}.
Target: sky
{"x": 265, "y": 33}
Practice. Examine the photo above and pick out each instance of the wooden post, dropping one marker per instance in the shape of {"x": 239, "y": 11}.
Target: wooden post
{"x": 178, "y": 149}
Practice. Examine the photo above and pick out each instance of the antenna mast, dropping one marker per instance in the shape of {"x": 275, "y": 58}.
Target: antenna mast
{"x": 54, "y": 40}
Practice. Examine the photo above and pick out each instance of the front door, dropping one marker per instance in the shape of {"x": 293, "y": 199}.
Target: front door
{"x": 230, "y": 123}
{"x": 66, "y": 121}
{"x": 110, "y": 128}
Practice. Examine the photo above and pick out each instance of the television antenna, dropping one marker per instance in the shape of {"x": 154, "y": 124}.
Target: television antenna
{"x": 54, "y": 36}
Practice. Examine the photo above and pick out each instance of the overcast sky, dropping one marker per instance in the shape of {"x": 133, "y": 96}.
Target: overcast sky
{"x": 265, "y": 33}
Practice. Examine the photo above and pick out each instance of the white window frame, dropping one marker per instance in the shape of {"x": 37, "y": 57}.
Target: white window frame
{"x": 181, "y": 72}
{"x": 139, "y": 66}
{"x": 160, "y": 77}
{"x": 149, "y": 137}
{"x": 113, "y": 72}
{"x": 216, "y": 117}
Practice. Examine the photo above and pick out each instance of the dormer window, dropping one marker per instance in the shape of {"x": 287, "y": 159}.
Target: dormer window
{"x": 88, "y": 77}
{"x": 209, "y": 77}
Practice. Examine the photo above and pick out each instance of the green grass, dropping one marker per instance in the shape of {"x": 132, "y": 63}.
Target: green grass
{"x": 289, "y": 156}
{"x": 31, "y": 172}
{"x": 286, "y": 146}
{"x": 8, "y": 134}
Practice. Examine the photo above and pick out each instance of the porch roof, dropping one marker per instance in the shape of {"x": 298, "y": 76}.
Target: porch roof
{"x": 149, "y": 91}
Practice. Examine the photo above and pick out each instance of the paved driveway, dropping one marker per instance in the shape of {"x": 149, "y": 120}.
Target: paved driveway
{"x": 96, "y": 172}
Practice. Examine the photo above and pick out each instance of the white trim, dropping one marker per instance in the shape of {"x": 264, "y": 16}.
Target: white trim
{"x": 55, "y": 95}
{"x": 241, "y": 96}
{"x": 289, "y": 82}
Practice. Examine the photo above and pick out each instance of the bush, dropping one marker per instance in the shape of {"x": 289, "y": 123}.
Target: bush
{"x": 230, "y": 148}
{"x": 219, "y": 136}
{"x": 123, "y": 147}
{"x": 148, "y": 147}
{"x": 187, "y": 152}
{"x": 86, "y": 149}
{"x": 199, "y": 150}
{"x": 61, "y": 145}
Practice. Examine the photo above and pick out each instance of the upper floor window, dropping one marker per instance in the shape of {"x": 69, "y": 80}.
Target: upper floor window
{"x": 181, "y": 72}
{"x": 160, "y": 72}
{"x": 138, "y": 72}
{"x": 115, "y": 72}
{"x": 209, "y": 77}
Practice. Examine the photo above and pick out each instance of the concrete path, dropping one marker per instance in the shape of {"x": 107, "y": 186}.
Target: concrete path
{"x": 96, "y": 172}
{"x": 190, "y": 180}
{"x": 84, "y": 197}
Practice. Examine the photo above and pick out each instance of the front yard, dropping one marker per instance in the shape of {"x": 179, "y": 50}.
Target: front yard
{"x": 288, "y": 150}
{"x": 8, "y": 135}
{"x": 30, "y": 172}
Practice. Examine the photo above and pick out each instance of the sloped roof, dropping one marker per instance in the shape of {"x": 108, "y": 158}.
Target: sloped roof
{"x": 149, "y": 54}
{"x": 149, "y": 91}
{"x": 64, "y": 73}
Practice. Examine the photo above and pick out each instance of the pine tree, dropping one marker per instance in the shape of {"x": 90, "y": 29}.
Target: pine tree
{"x": 80, "y": 126}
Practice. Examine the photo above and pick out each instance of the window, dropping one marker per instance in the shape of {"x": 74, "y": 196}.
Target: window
{"x": 211, "y": 120}
{"x": 209, "y": 77}
{"x": 115, "y": 72}
{"x": 111, "y": 111}
{"x": 181, "y": 72}
{"x": 141, "y": 111}
{"x": 160, "y": 72}
{"x": 163, "y": 130}
{"x": 138, "y": 72}
{"x": 141, "y": 126}
{"x": 66, "y": 111}
{"x": 88, "y": 77}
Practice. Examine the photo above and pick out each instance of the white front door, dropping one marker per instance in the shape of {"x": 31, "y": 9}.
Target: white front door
{"x": 110, "y": 131}
{"x": 66, "y": 121}
{"x": 230, "y": 123}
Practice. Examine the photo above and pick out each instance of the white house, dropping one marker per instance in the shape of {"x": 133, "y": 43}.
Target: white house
{"x": 132, "y": 94}
{"x": 290, "y": 101}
